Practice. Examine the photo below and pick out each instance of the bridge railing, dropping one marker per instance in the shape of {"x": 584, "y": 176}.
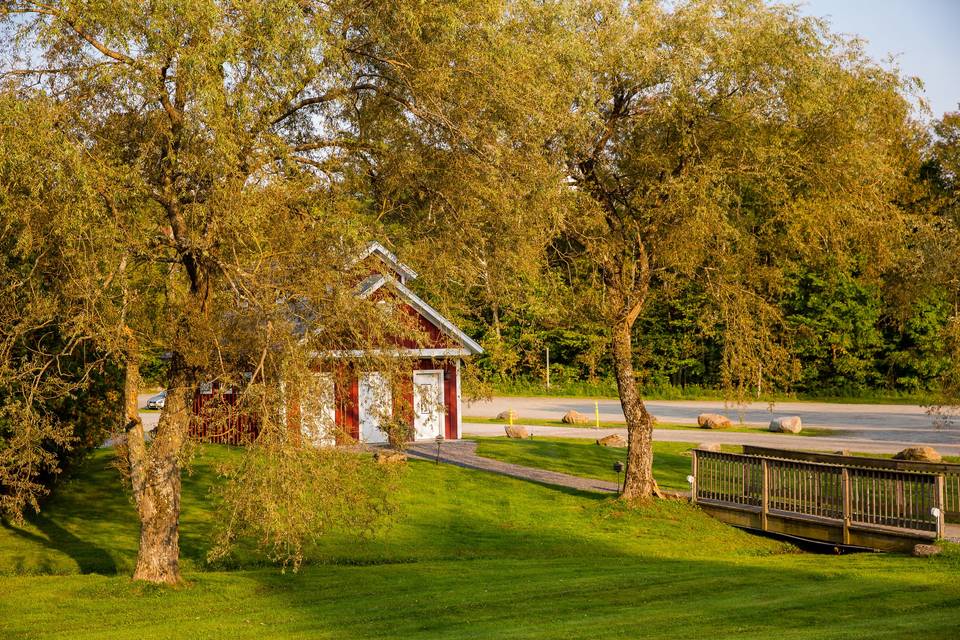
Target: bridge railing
{"x": 815, "y": 491}
{"x": 949, "y": 471}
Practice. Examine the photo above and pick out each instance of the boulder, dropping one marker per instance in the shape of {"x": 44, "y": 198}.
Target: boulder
{"x": 613, "y": 440}
{"x": 919, "y": 454}
{"x": 574, "y": 417}
{"x": 507, "y": 415}
{"x": 713, "y": 421}
{"x": 389, "y": 456}
{"x": 788, "y": 424}
{"x": 926, "y": 550}
{"x": 709, "y": 446}
{"x": 516, "y": 431}
{"x": 843, "y": 452}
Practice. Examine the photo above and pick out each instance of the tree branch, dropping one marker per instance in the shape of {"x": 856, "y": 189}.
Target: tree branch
{"x": 329, "y": 96}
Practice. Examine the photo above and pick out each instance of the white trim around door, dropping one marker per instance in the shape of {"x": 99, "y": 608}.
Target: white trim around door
{"x": 429, "y": 412}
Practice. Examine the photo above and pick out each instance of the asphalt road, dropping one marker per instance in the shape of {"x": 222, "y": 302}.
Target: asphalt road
{"x": 891, "y": 425}
{"x": 860, "y": 427}
{"x": 700, "y": 436}
{"x": 150, "y": 418}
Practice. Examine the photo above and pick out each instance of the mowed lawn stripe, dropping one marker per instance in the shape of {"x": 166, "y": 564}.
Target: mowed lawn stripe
{"x": 472, "y": 555}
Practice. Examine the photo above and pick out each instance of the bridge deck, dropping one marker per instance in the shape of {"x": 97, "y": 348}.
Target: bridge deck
{"x": 848, "y": 503}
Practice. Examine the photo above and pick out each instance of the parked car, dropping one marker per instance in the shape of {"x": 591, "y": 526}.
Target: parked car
{"x": 157, "y": 401}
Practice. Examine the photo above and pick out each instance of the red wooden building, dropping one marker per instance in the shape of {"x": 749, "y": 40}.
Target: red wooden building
{"x": 351, "y": 404}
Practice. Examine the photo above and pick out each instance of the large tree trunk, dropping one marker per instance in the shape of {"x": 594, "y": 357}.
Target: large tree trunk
{"x": 155, "y": 476}
{"x": 638, "y": 483}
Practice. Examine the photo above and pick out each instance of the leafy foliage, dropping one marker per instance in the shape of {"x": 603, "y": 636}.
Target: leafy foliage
{"x": 284, "y": 499}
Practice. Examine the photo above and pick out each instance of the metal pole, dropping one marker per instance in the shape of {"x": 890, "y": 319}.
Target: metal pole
{"x": 548, "y": 367}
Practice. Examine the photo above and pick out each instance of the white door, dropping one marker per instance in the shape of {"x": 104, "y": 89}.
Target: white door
{"x": 428, "y": 411}
{"x": 318, "y": 414}
{"x": 376, "y": 406}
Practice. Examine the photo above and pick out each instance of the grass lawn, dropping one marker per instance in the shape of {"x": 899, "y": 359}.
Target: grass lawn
{"x": 472, "y": 555}
{"x": 737, "y": 428}
{"x": 578, "y": 457}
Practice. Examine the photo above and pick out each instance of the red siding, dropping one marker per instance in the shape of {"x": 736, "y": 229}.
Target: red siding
{"x": 353, "y": 409}
{"x": 450, "y": 398}
{"x": 216, "y": 419}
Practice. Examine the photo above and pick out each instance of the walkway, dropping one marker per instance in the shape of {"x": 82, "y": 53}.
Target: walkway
{"x": 463, "y": 453}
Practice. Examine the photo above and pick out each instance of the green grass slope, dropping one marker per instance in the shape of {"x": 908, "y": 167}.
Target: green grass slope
{"x": 472, "y": 555}
{"x": 585, "y": 458}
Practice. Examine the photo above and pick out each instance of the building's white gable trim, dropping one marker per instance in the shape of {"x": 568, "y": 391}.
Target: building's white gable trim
{"x": 403, "y": 271}
{"x": 435, "y": 317}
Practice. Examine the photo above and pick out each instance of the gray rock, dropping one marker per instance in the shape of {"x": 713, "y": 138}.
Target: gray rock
{"x": 919, "y": 454}
{"x": 613, "y": 440}
{"x": 507, "y": 415}
{"x": 713, "y": 421}
{"x": 926, "y": 550}
{"x": 389, "y": 456}
{"x": 574, "y": 417}
{"x": 787, "y": 424}
{"x": 516, "y": 431}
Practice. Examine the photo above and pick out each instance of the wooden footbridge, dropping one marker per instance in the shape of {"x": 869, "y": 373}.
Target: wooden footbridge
{"x": 847, "y": 501}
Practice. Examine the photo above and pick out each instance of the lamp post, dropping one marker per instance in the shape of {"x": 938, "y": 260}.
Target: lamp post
{"x": 618, "y": 467}
{"x": 439, "y": 439}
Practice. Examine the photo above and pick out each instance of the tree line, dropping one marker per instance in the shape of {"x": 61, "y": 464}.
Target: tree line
{"x": 637, "y": 181}
{"x": 846, "y": 339}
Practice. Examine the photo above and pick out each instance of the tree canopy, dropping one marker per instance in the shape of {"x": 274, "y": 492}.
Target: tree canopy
{"x": 190, "y": 178}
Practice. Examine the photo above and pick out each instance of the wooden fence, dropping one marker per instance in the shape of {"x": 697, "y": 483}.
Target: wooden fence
{"x": 218, "y": 418}
{"x": 950, "y": 471}
{"x": 838, "y": 503}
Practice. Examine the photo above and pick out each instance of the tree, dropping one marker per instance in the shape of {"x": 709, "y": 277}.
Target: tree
{"x": 722, "y": 142}
{"x": 938, "y": 248}
{"x": 220, "y": 153}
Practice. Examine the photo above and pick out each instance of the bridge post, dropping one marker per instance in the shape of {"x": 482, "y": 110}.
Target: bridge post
{"x": 939, "y": 494}
{"x": 845, "y": 486}
{"x": 765, "y": 494}
{"x": 694, "y": 469}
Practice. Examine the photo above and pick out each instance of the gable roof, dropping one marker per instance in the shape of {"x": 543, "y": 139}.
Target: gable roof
{"x": 374, "y": 282}
{"x": 375, "y": 248}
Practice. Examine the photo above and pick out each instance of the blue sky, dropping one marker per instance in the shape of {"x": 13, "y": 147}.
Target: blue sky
{"x": 924, "y": 35}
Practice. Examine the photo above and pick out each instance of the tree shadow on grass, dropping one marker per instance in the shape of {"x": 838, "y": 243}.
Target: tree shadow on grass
{"x": 89, "y": 557}
{"x": 573, "y": 585}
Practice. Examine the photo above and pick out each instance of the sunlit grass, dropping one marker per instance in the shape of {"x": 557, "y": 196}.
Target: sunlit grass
{"x": 472, "y": 555}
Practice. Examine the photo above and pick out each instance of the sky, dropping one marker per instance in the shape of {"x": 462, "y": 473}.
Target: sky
{"x": 923, "y": 35}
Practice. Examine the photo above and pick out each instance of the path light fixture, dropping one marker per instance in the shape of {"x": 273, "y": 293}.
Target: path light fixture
{"x": 439, "y": 440}
{"x": 618, "y": 467}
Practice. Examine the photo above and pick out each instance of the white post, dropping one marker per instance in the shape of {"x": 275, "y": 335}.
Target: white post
{"x": 548, "y": 367}
{"x": 459, "y": 410}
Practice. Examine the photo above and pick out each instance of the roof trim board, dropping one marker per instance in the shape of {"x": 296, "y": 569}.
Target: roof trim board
{"x": 374, "y": 247}
{"x": 372, "y": 284}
